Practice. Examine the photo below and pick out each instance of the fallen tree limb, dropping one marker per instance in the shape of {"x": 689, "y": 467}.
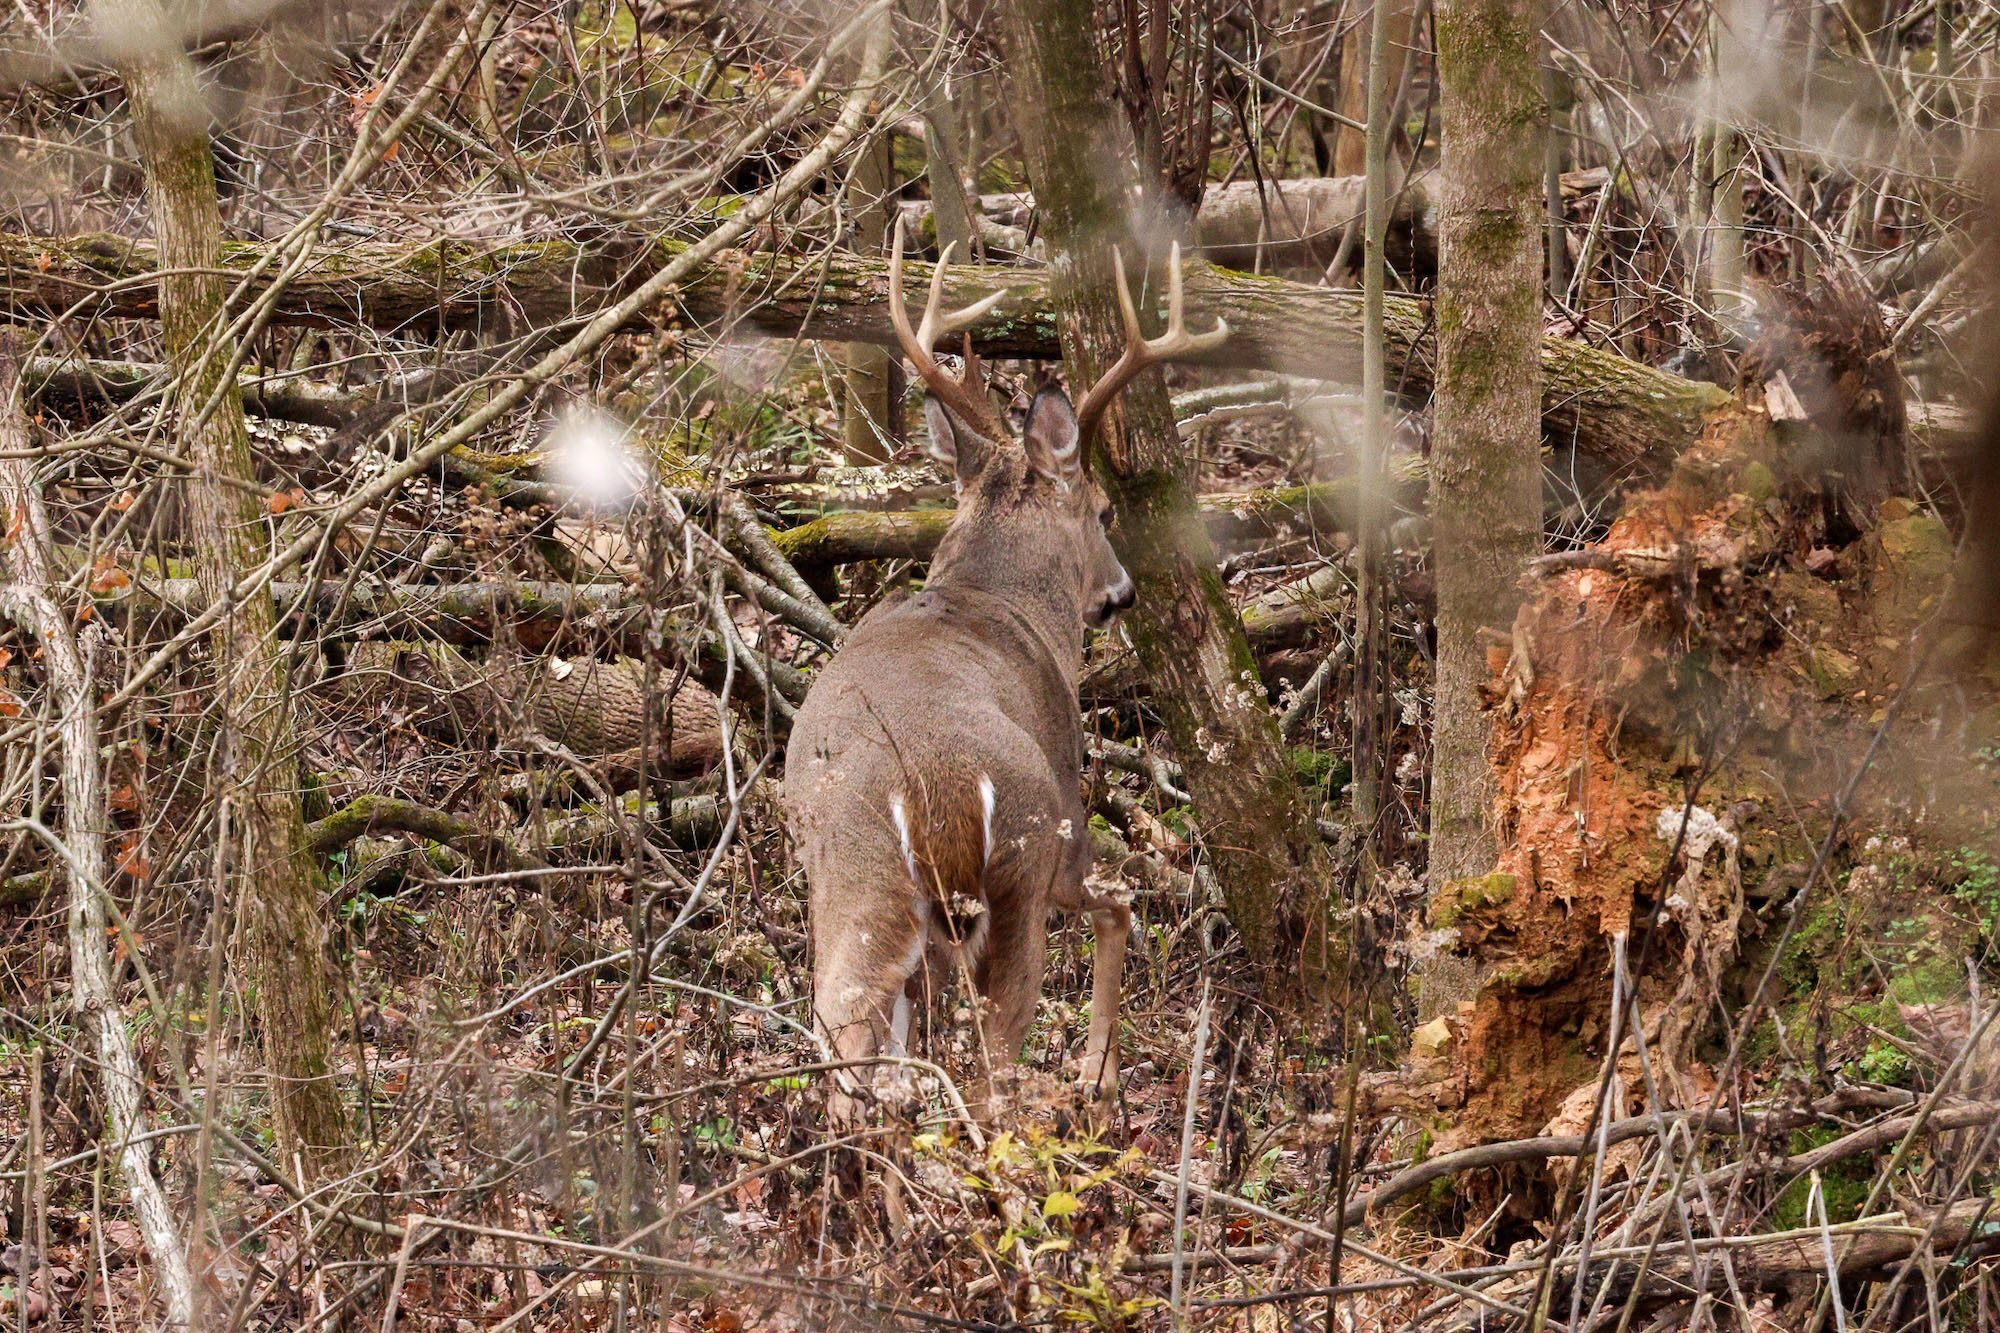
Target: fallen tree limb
{"x": 688, "y": 823}
{"x": 365, "y": 815}
{"x": 592, "y": 708}
{"x": 1417, "y": 1177}
{"x": 1864, "y": 1247}
{"x": 283, "y": 397}
{"x": 1625, "y": 415}
{"x": 20, "y": 890}
{"x": 1279, "y": 222}
{"x": 538, "y": 613}
{"x": 1282, "y": 618}
{"x": 1232, "y": 519}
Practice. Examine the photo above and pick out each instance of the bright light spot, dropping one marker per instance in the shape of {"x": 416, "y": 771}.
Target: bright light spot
{"x": 589, "y": 455}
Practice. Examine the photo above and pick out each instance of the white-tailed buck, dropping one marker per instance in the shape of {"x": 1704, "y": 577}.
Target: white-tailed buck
{"x": 933, "y": 778}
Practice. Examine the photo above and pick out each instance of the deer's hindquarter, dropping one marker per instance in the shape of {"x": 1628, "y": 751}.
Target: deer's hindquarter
{"x": 927, "y": 796}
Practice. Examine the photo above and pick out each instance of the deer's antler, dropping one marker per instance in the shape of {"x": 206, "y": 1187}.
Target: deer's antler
{"x": 965, "y": 393}
{"x": 1140, "y": 351}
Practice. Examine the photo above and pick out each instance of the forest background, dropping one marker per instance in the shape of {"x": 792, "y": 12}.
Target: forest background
{"x": 1552, "y": 757}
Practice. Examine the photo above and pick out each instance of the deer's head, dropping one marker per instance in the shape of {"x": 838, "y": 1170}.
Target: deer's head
{"x": 1031, "y": 516}
{"x": 1031, "y": 513}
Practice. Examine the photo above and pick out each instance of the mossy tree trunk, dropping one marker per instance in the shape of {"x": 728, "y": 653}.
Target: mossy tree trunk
{"x": 276, "y": 883}
{"x": 1189, "y": 642}
{"x": 1485, "y": 497}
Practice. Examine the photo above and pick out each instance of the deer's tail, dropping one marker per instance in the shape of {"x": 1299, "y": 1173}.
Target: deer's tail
{"x": 945, "y": 832}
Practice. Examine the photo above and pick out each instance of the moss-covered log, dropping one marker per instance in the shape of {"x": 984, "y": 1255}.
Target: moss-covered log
{"x": 538, "y": 614}
{"x": 1620, "y": 414}
{"x": 1232, "y": 519}
{"x": 379, "y": 814}
{"x": 24, "y": 890}
{"x": 1285, "y": 617}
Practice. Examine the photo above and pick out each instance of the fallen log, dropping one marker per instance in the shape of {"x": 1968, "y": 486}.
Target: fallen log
{"x": 281, "y": 397}
{"x": 1251, "y": 223}
{"x": 1757, "y": 1123}
{"x": 590, "y": 707}
{"x": 538, "y": 614}
{"x": 687, "y": 823}
{"x": 1233, "y": 519}
{"x": 1623, "y": 415}
{"x": 1282, "y": 618}
{"x": 366, "y": 815}
{"x": 22, "y": 890}
{"x": 1863, "y": 1248}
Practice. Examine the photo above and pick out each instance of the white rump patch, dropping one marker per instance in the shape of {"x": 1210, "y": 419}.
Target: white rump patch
{"x": 902, "y": 822}
{"x": 986, "y": 820}
{"x": 899, "y": 1026}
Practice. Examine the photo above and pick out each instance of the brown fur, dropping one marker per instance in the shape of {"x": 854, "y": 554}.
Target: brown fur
{"x": 973, "y": 677}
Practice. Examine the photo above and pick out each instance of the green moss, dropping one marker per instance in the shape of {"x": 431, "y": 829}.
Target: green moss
{"x": 1834, "y": 673}
{"x": 1917, "y": 537}
{"x": 1321, "y": 770}
{"x": 1759, "y": 482}
{"x": 1843, "y": 1185}
{"x": 1470, "y": 895}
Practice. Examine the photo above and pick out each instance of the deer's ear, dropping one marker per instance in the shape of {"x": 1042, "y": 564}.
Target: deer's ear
{"x": 961, "y": 450}
{"x": 1051, "y": 437}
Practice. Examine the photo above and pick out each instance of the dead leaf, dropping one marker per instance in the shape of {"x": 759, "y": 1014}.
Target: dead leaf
{"x": 106, "y": 577}
{"x": 132, "y": 858}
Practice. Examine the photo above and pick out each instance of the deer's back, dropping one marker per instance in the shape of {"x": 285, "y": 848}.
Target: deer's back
{"x": 941, "y": 741}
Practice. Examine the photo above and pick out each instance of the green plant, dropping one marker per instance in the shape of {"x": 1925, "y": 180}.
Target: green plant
{"x": 1883, "y": 1062}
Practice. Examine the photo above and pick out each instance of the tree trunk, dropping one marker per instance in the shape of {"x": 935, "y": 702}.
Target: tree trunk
{"x": 1350, "y": 153}
{"x": 868, "y": 423}
{"x": 1486, "y": 498}
{"x": 1189, "y": 642}
{"x": 278, "y": 887}
{"x": 26, "y": 556}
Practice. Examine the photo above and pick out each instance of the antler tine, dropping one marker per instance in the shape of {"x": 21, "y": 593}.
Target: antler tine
{"x": 1141, "y": 351}
{"x": 964, "y": 394}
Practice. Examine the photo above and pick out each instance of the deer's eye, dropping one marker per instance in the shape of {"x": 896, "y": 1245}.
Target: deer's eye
{"x": 1104, "y": 517}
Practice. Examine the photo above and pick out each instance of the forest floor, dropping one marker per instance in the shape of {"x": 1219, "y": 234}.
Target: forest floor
{"x": 545, "y": 1145}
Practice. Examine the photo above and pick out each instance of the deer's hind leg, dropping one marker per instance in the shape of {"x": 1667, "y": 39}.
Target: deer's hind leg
{"x": 1008, "y": 976}
{"x": 861, "y": 999}
{"x": 1110, "y": 928}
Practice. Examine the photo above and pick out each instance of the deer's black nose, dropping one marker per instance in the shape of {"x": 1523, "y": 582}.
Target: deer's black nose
{"x": 1118, "y": 597}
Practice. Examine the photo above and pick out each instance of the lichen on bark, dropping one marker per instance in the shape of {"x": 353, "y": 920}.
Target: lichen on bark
{"x": 274, "y": 882}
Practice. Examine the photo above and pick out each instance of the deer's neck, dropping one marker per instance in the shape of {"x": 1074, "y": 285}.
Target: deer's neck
{"x": 1049, "y": 617}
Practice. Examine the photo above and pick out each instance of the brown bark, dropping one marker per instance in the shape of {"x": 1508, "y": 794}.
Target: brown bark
{"x": 1190, "y": 643}
{"x": 1349, "y": 148}
{"x": 868, "y": 401}
{"x": 1486, "y": 470}
{"x": 1627, "y": 419}
{"x": 593, "y": 708}
{"x": 275, "y": 881}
